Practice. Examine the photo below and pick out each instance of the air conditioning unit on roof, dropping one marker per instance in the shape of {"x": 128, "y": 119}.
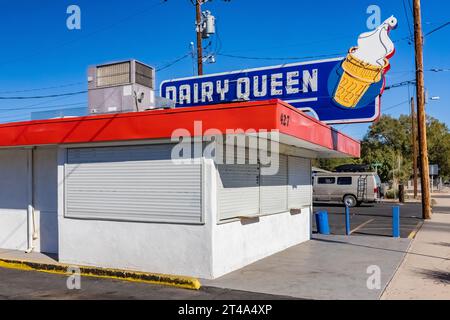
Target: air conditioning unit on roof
{"x": 123, "y": 86}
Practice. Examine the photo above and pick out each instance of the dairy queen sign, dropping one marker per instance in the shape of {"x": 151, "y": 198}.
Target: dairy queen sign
{"x": 339, "y": 90}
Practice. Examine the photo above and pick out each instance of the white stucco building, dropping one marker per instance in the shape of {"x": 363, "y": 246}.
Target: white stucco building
{"x": 104, "y": 190}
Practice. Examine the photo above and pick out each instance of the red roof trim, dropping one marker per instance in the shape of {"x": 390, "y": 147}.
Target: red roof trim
{"x": 160, "y": 124}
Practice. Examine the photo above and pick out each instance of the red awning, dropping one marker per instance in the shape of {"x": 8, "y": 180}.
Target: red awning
{"x": 295, "y": 127}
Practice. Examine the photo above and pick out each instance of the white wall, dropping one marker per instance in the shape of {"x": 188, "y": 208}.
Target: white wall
{"x": 205, "y": 251}
{"x": 13, "y": 199}
{"x": 241, "y": 242}
{"x": 180, "y": 249}
{"x": 142, "y": 246}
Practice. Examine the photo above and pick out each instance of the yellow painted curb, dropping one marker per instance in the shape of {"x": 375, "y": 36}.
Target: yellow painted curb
{"x": 413, "y": 233}
{"x": 142, "y": 277}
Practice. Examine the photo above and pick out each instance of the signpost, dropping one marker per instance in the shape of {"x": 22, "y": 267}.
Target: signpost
{"x": 434, "y": 171}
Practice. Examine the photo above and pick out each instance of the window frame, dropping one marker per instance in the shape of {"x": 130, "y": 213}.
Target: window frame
{"x": 344, "y": 184}
{"x": 321, "y": 178}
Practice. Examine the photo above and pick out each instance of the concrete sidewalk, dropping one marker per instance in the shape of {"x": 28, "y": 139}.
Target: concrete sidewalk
{"x": 327, "y": 267}
{"x": 425, "y": 272}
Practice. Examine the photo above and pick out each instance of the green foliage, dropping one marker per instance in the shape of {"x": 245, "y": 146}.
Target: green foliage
{"x": 391, "y": 194}
{"x": 439, "y": 145}
{"x": 388, "y": 142}
{"x": 331, "y": 164}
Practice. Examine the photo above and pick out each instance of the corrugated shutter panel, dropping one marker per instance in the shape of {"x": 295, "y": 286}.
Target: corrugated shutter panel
{"x": 274, "y": 189}
{"x": 133, "y": 183}
{"x": 299, "y": 182}
{"x": 238, "y": 184}
{"x": 238, "y": 192}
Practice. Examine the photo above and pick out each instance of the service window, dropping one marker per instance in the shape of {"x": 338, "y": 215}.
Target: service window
{"x": 274, "y": 189}
{"x": 132, "y": 183}
{"x": 344, "y": 181}
{"x": 238, "y": 190}
{"x": 244, "y": 191}
{"x": 238, "y": 185}
{"x": 326, "y": 180}
{"x": 299, "y": 187}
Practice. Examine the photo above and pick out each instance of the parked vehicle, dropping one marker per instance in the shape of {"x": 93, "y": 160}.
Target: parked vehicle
{"x": 350, "y": 188}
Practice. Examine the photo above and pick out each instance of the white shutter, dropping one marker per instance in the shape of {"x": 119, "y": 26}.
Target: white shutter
{"x": 299, "y": 182}
{"x": 274, "y": 189}
{"x": 133, "y": 183}
{"x": 238, "y": 190}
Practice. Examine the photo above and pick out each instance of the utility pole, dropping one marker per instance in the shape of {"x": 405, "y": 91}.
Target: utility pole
{"x": 414, "y": 145}
{"x": 198, "y": 8}
{"x": 421, "y": 116}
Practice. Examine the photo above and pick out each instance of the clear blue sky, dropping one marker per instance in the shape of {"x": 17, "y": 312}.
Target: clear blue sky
{"x": 39, "y": 51}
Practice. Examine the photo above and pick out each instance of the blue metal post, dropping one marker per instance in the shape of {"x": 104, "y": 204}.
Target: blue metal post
{"x": 396, "y": 222}
{"x": 347, "y": 220}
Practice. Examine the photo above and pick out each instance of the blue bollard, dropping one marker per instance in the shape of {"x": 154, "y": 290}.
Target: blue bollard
{"x": 347, "y": 220}
{"x": 396, "y": 222}
{"x": 322, "y": 222}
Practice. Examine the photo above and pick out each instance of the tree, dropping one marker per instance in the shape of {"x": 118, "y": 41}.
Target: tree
{"x": 388, "y": 142}
{"x": 439, "y": 145}
{"x": 331, "y": 164}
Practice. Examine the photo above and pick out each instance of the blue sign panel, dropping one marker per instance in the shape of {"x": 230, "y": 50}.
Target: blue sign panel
{"x": 310, "y": 86}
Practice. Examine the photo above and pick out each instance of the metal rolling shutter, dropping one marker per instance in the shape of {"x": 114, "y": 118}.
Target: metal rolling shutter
{"x": 238, "y": 185}
{"x": 238, "y": 190}
{"x": 132, "y": 183}
{"x": 299, "y": 191}
{"x": 274, "y": 189}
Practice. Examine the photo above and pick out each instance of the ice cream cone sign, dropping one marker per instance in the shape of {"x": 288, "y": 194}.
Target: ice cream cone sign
{"x": 365, "y": 66}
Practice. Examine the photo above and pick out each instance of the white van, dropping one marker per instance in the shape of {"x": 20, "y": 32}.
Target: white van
{"x": 351, "y": 188}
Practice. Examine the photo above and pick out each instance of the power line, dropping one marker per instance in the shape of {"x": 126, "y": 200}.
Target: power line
{"x": 396, "y": 105}
{"x": 439, "y": 70}
{"x": 173, "y": 62}
{"x": 400, "y": 84}
{"x": 21, "y": 109}
{"x": 46, "y": 96}
{"x": 101, "y": 29}
{"x": 44, "y": 88}
{"x": 280, "y": 58}
{"x": 69, "y": 85}
{"x": 438, "y": 28}
{"x": 426, "y": 34}
{"x": 43, "y": 107}
{"x": 407, "y": 19}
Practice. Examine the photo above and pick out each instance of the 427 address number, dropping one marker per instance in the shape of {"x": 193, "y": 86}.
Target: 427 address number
{"x": 285, "y": 120}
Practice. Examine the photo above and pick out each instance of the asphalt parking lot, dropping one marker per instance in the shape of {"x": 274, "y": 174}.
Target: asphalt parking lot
{"x": 372, "y": 219}
{"x": 31, "y": 285}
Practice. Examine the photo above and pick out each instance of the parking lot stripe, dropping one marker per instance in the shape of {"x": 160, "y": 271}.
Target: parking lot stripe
{"x": 361, "y": 225}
